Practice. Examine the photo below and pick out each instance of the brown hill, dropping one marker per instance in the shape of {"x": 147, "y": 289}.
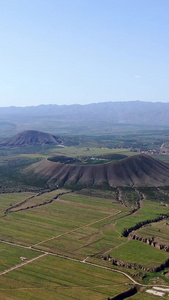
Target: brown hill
{"x": 31, "y": 138}
{"x": 135, "y": 171}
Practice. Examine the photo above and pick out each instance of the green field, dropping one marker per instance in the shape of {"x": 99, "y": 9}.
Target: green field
{"x": 7, "y": 200}
{"x": 90, "y": 151}
{"x": 37, "y": 199}
{"x": 54, "y": 278}
{"x": 149, "y": 211}
{"x": 53, "y": 219}
{"x": 79, "y": 227}
{"x": 11, "y": 255}
{"x": 136, "y": 252}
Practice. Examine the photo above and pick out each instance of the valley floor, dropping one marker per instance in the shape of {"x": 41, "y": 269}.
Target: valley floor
{"x": 62, "y": 245}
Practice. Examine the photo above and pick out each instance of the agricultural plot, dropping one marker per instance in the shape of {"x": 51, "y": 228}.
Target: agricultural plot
{"x": 61, "y": 217}
{"x": 87, "y": 239}
{"x": 37, "y": 200}
{"x": 54, "y": 278}
{"x": 11, "y": 255}
{"x": 84, "y": 242}
{"x": 81, "y": 230}
{"x": 136, "y": 252}
{"x": 8, "y": 200}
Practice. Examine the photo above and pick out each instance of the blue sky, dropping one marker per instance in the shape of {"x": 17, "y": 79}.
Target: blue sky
{"x": 83, "y": 51}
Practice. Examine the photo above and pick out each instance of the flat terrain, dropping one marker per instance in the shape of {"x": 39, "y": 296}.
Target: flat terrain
{"x": 57, "y": 250}
{"x": 7, "y": 200}
{"x": 11, "y": 256}
{"x": 133, "y": 252}
{"x": 90, "y": 151}
{"x": 55, "y": 278}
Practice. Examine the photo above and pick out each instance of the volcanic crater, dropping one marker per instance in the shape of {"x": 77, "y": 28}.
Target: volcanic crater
{"x": 135, "y": 171}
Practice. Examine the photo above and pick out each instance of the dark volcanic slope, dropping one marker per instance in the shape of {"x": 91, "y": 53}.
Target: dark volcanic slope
{"x": 31, "y": 138}
{"x": 137, "y": 171}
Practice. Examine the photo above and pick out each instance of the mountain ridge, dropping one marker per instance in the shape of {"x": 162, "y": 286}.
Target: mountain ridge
{"x": 127, "y": 112}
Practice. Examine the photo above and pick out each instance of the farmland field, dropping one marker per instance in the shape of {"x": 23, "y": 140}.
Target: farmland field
{"x": 55, "y": 278}
{"x": 63, "y": 243}
{"x": 11, "y": 255}
{"x": 75, "y": 236}
{"x": 132, "y": 251}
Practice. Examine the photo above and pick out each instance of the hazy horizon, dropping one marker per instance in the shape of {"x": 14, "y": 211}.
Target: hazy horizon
{"x": 82, "y": 52}
{"x": 81, "y": 104}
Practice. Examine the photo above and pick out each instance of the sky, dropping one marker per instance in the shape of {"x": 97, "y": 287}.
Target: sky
{"x": 83, "y": 51}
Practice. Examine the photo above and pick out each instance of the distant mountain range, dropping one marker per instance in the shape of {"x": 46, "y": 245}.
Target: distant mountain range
{"x": 73, "y": 118}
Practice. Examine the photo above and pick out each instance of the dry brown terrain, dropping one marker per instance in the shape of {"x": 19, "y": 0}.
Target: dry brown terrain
{"x": 135, "y": 171}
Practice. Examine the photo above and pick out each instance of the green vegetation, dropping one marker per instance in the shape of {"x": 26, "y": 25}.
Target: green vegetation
{"x": 149, "y": 211}
{"x": 92, "y": 151}
{"x": 36, "y": 200}
{"x": 84, "y": 226}
{"x": 60, "y": 217}
{"x": 55, "y": 278}
{"x": 158, "y": 231}
{"x": 156, "y": 195}
{"x": 7, "y": 200}
{"x": 139, "y": 253}
{"x": 64, "y": 159}
{"x": 76, "y": 226}
{"x": 11, "y": 177}
{"x": 129, "y": 196}
{"x": 12, "y": 256}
